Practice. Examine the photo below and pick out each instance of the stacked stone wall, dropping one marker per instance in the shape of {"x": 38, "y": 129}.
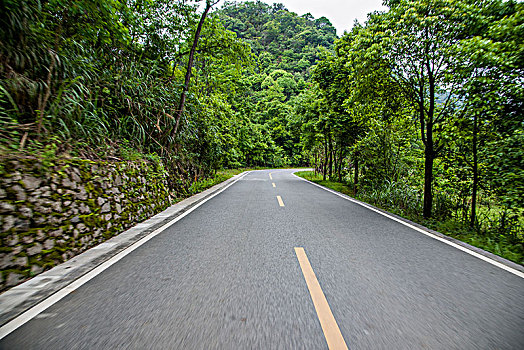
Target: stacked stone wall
{"x": 52, "y": 212}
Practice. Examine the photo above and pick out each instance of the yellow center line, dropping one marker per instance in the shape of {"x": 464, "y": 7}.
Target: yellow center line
{"x": 334, "y": 338}
{"x": 280, "y": 202}
{"x": 270, "y": 177}
{"x": 274, "y": 185}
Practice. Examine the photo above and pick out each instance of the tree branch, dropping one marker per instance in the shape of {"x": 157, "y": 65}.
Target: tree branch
{"x": 181, "y": 105}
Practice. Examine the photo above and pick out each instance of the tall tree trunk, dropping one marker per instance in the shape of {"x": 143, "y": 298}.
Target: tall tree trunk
{"x": 428, "y": 178}
{"x": 182, "y": 102}
{"x": 428, "y": 172}
{"x": 340, "y": 164}
{"x": 330, "y": 145}
{"x": 315, "y": 161}
{"x": 335, "y": 160}
{"x": 429, "y": 151}
{"x": 475, "y": 174}
{"x": 355, "y": 185}
{"x": 324, "y": 171}
{"x": 321, "y": 164}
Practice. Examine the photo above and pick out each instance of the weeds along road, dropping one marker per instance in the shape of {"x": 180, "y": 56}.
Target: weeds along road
{"x": 275, "y": 262}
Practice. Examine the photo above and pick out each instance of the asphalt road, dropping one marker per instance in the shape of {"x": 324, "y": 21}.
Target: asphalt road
{"x": 226, "y": 276}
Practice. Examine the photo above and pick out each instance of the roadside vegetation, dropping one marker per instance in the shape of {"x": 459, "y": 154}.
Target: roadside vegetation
{"x": 487, "y": 240}
{"x": 220, "y": 176}
{"x": 418, "y": 110}
{"x": 104, "y": 80}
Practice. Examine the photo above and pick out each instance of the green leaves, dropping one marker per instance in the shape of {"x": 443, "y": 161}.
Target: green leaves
{"x": 281, "y": 39}
{"x": 433, "y": 68}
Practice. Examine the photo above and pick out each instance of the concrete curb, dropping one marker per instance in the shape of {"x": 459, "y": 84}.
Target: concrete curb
{"x": 477, "y": 250}
{"x": 18, "y": 299}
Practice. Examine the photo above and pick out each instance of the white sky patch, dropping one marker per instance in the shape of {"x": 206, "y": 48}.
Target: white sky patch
{"x": 341, "y": 13}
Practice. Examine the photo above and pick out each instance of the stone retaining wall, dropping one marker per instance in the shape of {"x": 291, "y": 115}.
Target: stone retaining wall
{"x": 52, "y": 212}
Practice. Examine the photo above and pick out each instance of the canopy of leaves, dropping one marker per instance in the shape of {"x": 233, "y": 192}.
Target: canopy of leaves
{"x": 280, "y": 38}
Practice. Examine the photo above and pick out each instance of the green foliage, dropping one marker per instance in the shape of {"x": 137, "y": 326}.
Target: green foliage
{"x": 420, "y": 107}
{"x": 317, "y": 178}
{"x": 280, "y": 38}
{"x": 104, "y": 77}
{"x": 285, "y": 47}
{"x": 420, "y": 111}
{"x": 404, "y": 200}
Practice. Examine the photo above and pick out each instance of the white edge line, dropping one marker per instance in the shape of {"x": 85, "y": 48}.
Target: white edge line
{"x": 51, "y": 300}
{"x": 429, "y": 234}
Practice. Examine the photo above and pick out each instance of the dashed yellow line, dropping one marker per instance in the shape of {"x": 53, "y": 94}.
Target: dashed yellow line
{"x": 334, "y": 338}
{"x": 280, "y": 202}
{"x": 274, "y": 185}
{"x": 270, "y": 177}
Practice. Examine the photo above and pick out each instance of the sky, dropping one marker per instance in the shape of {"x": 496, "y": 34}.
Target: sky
{"x": 341, "y": 13}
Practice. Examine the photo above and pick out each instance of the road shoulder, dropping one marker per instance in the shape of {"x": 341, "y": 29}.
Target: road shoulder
{"x": 472, "y": 250}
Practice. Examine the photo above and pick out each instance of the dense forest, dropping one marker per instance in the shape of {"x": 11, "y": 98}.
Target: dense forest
{"x": 418, "y": 110}
{"x": 98, "y": 73}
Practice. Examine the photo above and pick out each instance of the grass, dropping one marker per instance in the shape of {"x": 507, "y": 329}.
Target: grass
{"x": 499, "y": 245}
{"x": 490, "y": 241}
{"x": 220, "y": 176}
{"x": 337, "y": 186}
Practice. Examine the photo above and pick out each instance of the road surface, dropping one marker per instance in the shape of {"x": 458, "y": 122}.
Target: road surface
{"x": 228, "y": 276}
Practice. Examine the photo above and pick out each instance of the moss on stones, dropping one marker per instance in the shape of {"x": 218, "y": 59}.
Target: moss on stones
{"x": 63, "y": 208}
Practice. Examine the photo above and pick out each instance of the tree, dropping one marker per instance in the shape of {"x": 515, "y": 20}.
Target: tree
{"x": 416, "y": 39}
{"x": 182, "y": 102}
{"x": 493, "y": 98}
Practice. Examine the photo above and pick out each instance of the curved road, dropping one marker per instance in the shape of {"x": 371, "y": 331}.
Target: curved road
{"x": 227, "y": 276}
